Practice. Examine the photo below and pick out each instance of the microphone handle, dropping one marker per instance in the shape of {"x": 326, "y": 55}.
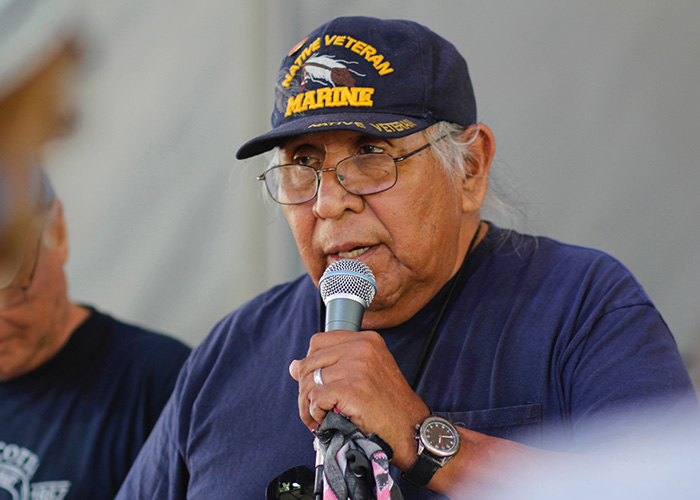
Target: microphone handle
{"x": 343, "y": 313}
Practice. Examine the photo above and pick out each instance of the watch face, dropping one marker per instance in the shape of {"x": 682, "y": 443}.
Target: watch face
{"x": 440, "y": 437}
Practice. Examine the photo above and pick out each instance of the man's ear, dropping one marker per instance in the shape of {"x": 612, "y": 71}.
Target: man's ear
{"x": 474, "y": 183}
{"x": 56, "y": 233}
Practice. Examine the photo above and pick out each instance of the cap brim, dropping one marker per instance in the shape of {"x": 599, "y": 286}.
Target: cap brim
{"x": 373, "y": 124}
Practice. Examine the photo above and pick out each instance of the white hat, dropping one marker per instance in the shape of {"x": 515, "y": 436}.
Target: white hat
{"x": 30, "y": 33}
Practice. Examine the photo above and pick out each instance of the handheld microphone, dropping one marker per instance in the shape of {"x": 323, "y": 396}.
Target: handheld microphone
{"x": 347, "y": 288}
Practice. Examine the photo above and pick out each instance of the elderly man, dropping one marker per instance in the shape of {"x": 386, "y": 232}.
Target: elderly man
{"x": 478, "y": 337}
{"x": 80, "y": 391}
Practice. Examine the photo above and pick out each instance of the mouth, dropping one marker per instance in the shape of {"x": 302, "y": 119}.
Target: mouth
{"x": 354, "y": 253}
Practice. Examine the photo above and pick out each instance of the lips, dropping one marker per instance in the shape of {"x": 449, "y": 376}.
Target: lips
{"x": 349, "y": 242}
{"x": 356, "y": 252}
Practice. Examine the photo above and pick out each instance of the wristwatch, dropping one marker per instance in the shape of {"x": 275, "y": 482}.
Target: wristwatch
{"x": 438, "y": 441}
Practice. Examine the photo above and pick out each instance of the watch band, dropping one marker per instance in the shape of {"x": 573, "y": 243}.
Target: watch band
{"x": 422, "y": 470}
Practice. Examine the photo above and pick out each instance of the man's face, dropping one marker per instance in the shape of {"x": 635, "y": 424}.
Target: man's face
{"x": 30, "y": 312}
{"x": 410, "y": 236}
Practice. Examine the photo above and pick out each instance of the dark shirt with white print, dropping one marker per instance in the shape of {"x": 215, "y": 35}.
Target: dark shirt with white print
{"x": 71, "y": 428}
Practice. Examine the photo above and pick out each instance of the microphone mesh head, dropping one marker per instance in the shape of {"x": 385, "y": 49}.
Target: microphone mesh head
{"x": 348, "y": 277}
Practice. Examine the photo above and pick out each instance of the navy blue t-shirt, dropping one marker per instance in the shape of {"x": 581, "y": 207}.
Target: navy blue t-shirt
{"x": 541, "y": 337}
{"x": 71, "y": 428}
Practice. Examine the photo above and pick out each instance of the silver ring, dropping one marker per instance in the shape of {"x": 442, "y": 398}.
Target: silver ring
{"x": 317, "y": 377}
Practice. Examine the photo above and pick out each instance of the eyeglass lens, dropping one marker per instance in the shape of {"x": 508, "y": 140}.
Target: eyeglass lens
{"x": 359, "y": 174}
{"x": 16, "y": 292}
{"x": 368, "y": 173}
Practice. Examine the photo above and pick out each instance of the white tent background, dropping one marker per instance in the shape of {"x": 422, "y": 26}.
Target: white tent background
{"x": 594, "y": 106}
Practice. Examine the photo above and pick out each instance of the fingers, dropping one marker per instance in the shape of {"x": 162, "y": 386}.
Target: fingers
{"x": 320, "y": 402}
{"x": 327, "y": 348}
{"x": 361, "y": 380}
{"x": 325, "y": 357}
{"x": 316, "y": 400}
{"x": 317, "y": 356}
{"x": 359, "y": 377}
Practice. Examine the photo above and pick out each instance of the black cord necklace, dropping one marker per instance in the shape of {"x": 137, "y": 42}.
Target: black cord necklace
{"x": 430, "y": 340}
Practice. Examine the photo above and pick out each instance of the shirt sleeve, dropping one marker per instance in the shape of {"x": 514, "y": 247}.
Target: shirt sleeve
{"x": 625, "y": 371}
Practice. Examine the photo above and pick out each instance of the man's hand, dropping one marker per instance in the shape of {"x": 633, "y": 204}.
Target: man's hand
{"x": 362, "y": 381}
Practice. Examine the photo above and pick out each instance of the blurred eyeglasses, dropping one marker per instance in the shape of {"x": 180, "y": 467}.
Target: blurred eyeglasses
{"x": 295, "y": 483}
{"x": 362, "y": 174}
{"x": 16, "y": 292}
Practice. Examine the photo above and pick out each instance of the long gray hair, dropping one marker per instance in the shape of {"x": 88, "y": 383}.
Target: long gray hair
{"x": 454, "y": 152}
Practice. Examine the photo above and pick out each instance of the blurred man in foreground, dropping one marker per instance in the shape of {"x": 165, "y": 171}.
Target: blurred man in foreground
{"x": 39, "y": 49}
{"x": 479, "y": 339}
{"x": 80, "y": 391}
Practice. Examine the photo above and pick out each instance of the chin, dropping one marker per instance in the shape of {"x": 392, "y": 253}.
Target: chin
{"x": 379, "y": 315}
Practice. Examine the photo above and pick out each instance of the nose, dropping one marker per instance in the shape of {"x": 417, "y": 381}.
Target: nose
{"x": 332, "y": 199}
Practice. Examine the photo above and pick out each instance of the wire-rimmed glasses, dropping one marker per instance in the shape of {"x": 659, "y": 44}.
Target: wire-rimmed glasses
{"x": 361, "y": 174}
{"x": 16, "y": 292}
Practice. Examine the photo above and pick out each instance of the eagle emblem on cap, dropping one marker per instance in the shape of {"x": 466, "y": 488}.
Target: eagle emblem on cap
{"x": 327, "y": 69}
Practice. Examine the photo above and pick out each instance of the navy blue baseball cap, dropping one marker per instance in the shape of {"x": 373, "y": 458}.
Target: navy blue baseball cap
{"x": 385, "y": 78}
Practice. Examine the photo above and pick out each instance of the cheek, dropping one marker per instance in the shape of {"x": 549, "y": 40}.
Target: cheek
{"x": 303, "y": 223}
{"x": 421, "y": 221}
{"x": 22, "y": 335}
{"x": 427, "y": 238}
{"x": 49, "y": 292}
